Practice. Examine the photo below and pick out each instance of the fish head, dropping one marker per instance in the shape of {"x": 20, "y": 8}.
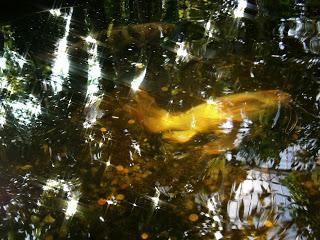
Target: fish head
{"x": 272, "y": 98}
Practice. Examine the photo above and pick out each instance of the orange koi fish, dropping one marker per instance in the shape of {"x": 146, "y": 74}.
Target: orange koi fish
{"x": 218, "y": 117}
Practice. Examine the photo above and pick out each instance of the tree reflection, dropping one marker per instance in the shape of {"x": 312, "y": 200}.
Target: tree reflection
{"x": 24, "y": 108}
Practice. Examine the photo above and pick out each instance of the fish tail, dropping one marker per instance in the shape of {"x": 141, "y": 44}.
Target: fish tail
{"x": 148, "y": 112}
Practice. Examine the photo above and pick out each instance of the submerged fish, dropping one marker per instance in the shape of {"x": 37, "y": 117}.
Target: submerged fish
{"x": 223, "y": 117}
{"x": 139, "y": 34}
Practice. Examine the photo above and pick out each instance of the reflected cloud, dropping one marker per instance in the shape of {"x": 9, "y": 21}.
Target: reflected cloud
{"x": 61, "y": 65}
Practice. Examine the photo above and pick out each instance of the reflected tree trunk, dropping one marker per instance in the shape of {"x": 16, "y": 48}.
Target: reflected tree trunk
{"x": 135, "y": 11}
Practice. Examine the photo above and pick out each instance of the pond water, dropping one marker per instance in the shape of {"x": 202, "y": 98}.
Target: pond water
{"x": 161, "y": 120}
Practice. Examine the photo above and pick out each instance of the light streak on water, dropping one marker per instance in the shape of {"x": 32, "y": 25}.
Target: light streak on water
{"x": 93, "y": 95}
{"x": 156, "y": 199}
{"x": 55, "y": 12}
{"x": 211, "y": 29}
{"x": 182, "y": 52}
{"x": 4, "y": 84}
{"x": 276, "y": 117}
{"x": 17, "y": 58}
{"x": 135, "y": 145}
{"x": 208, "y": 29}
{"x": 61, "y": 65}
{"x": 72, "y": 205}
{"x": 163, "y": 4}
{"x": 239, "y": 11}
{"x": 227, "y": 126}
{"x": 11, "y": 59}
{"x": 52, "y": 184}
{"x": 2, "y": 116}
{"x": 138, "y": 79}
{"x": 193, "y": 122}
{"x": 243, "y": 131}
{"x": 3, "y": 62}
{"x": 318, "y": 97}
{"x": 72, "y": 194}
{"x": 94, "y": 69}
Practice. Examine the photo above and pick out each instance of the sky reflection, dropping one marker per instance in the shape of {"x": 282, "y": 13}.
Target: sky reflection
{"x": 247, "y": 201}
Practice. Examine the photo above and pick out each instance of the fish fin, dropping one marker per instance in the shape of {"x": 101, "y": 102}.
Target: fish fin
{"x": 179, "y": 136}
{"x": 220, "y": 145}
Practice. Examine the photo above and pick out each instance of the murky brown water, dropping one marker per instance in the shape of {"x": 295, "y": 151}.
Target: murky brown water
{"x": 162, "y": 120}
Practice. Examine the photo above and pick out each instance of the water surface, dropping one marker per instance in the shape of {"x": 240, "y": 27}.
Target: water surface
{"x": 76, "y": 165}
